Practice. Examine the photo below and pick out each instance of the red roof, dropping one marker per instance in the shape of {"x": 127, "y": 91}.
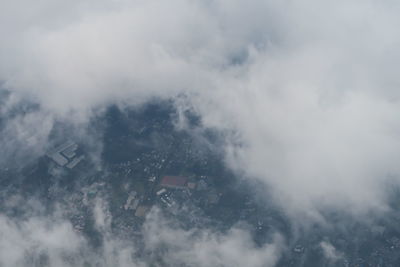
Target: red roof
{"x": 173, "y": 181}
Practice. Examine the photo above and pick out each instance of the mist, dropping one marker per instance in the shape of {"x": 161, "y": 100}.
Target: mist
{"x": 305, "y": 93}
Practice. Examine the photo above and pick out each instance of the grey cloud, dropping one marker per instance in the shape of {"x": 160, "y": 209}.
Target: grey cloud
{"x": 27, "y": 242}
{"x": 24, "y": 136}
{"x": 204, "y": 247}
{"x": 309, "y": 88}
{"x": 330, "y": 251}
{"x": 50, "y": 240}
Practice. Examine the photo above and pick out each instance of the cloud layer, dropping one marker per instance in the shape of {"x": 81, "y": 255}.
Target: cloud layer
{"x": 50, "y": 240}
{"x": 309, "y": 89}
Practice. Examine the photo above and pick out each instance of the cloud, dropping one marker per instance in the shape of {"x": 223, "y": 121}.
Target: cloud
{"x": 309, "y": 88}
{"x": 316, "y": 111}
{"x": 45, "y": 239}
{"x": 28, "y": 242}
{"x": 330, "y": 251}
{"x": 51, "y": 240}
{"x": 20, "y": 137}
{"x": 205, "y": 247}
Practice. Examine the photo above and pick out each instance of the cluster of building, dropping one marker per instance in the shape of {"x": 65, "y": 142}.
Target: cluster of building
{"x": 171, "y": 182}
{"x": 65, "y": 155}
{"x": 186, "y": 185}
{"x": 174, "y": 182}
{"x": 133, "y": 203}
{"x": 166, "y": 192}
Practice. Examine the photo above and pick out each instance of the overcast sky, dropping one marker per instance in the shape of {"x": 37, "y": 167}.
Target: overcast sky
{"x": 309, "y": 89}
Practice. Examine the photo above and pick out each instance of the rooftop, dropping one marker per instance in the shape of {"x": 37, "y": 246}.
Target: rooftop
{"x": 174, "y": 181}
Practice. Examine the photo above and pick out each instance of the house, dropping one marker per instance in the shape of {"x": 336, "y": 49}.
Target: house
{"x": 175, "y": 182}
{"x": 141, "y": 211}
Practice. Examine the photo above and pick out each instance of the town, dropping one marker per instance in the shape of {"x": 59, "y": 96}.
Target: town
{"x": 146, "y": 164}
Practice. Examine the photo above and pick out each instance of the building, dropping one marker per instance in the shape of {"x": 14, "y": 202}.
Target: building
{"x": 65, "y": 155}
{"x": 75, "y": 161}
{"x": 69, "y": 152}
{"x": 59, "y": 159}
{"x": 175, "y": 182}
{"x": 141, "y": 211}
{"x": 160, "y": 192}
{"x": 55, "y": 154}
{"x": 191, "y": 185}
{"x": 201, "y": 185}
{"x": 131, "y": 201}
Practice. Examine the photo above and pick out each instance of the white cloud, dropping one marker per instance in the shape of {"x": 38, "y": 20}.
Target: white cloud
{"x": 27, "y": 242}
{"x": 204, "y": 247}
{"x": 330, "y": 251}
{"x": 309, "y": 87}
{"x": 50, "y": 240}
